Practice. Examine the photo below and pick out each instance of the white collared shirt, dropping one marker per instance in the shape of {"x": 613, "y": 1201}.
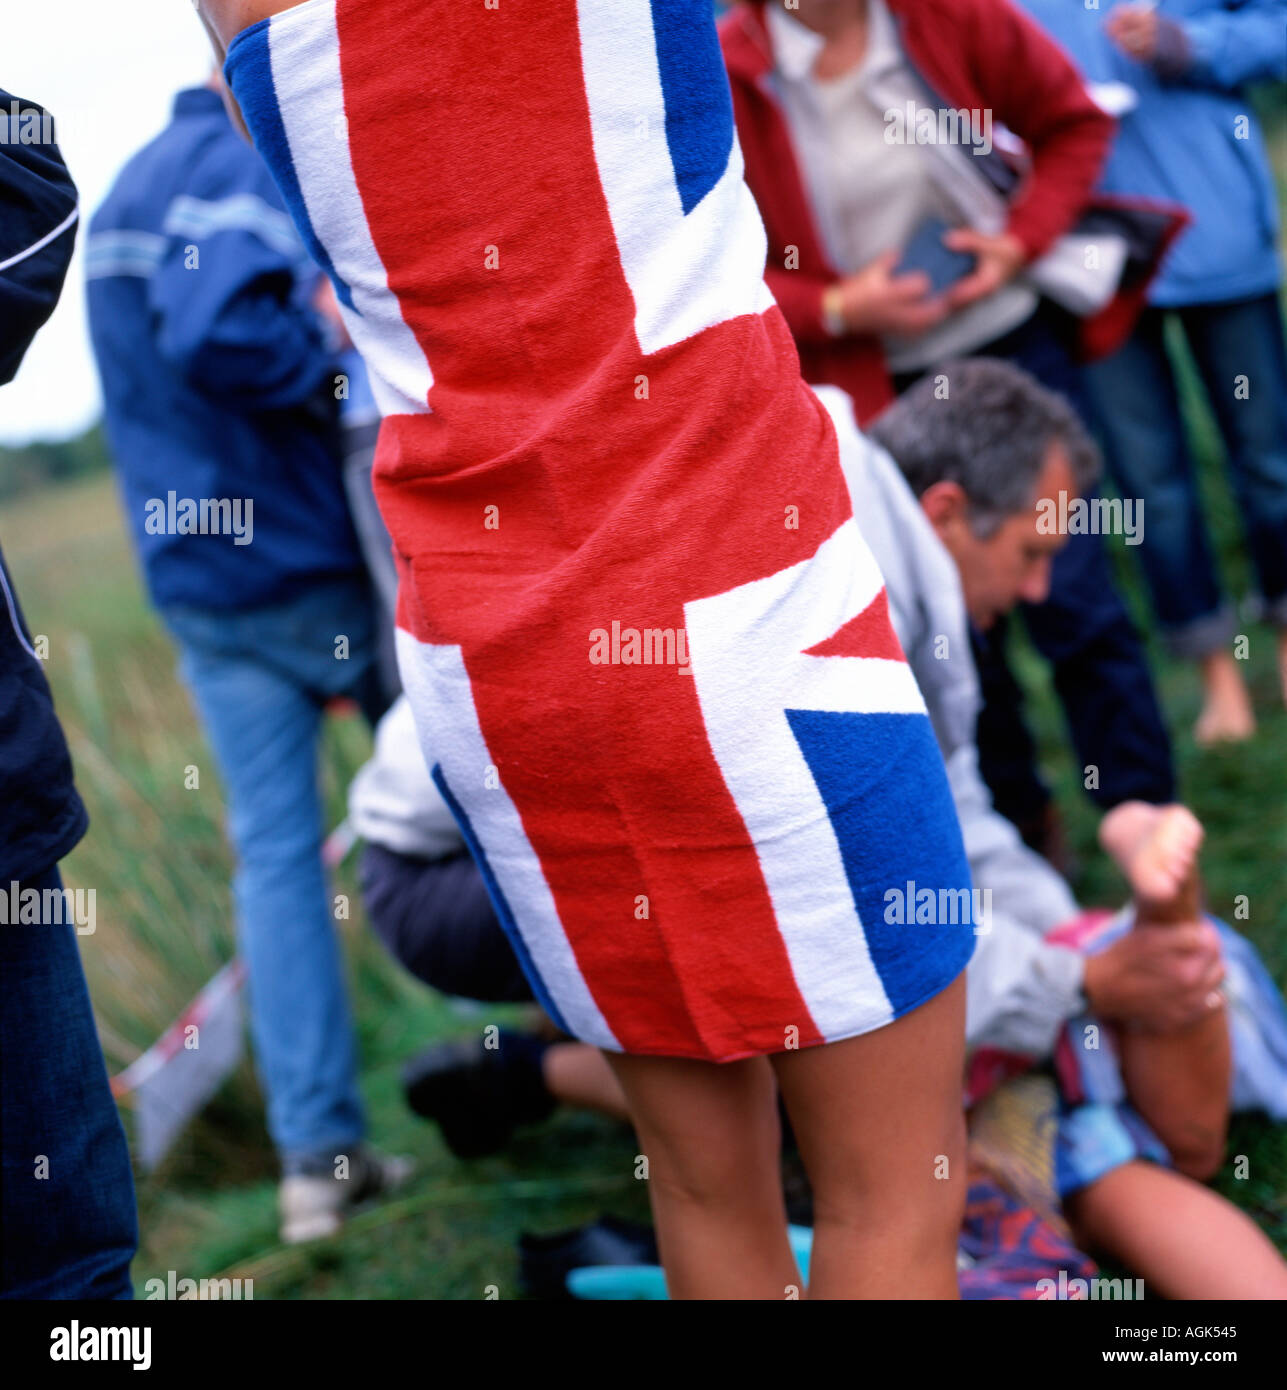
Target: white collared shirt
{"x": 869, "y": 196}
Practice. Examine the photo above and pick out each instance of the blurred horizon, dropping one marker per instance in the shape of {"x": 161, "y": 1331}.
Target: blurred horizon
{"x": 109, "y": 84}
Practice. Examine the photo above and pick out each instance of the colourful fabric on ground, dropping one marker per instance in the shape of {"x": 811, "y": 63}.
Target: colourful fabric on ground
{"x": 1013, "y": 1137}
{"x": 1012, "y": 1248}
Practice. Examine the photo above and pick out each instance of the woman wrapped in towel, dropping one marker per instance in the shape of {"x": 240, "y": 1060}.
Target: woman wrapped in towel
{"x": 669, "y": 712}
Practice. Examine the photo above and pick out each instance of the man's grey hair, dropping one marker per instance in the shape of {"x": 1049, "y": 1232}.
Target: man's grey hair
{"x": 987, "y": 426}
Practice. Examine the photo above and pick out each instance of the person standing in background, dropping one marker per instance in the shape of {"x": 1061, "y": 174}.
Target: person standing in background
{"x": 1187, "y": 132}
{"x": 220, "y": 403}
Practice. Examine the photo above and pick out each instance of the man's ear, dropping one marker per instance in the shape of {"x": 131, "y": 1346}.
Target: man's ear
{"x": 946, "y": 506}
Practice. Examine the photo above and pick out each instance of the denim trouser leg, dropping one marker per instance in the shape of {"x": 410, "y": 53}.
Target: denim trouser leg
{"x": 263, "y": 721}
{"x": 1007, "y": 750}
{"x": 70, "y": 1228}
{"x": 1102, "y": 678}
{"x": 1138, "y": 413}
{"x": 1245, "y": 339}
{"x": 377, "y": 547}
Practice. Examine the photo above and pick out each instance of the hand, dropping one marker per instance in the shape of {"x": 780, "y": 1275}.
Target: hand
{"x": 873, "y": 300}
{"x": 1161, "y": 979}
{"x": 998, "y": 260}
{"x": 1134, "y": 28}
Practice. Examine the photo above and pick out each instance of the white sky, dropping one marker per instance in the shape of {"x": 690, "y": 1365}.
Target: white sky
{"x": 108, "y": 73}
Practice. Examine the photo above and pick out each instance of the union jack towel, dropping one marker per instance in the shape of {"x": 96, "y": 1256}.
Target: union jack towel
{"x": 648, "y": 652}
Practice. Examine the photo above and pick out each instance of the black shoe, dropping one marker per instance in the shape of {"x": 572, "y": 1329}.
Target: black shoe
{"x": 478, "y": 1095}
{"x": 545, "y": 1262}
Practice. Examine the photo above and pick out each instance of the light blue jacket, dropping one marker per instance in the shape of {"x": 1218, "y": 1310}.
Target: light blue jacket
{"x": 1193, "y": 138}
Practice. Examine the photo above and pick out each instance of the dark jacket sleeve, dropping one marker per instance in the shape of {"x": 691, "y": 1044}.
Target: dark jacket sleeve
{"x": 37, "y": 227}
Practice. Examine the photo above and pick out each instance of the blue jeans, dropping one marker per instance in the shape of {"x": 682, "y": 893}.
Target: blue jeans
{"x": 70, "y": 1228}
{"x": 376, "y": 546}
{"x": 1146, "y": 444}
{"x": 260, "y": 679}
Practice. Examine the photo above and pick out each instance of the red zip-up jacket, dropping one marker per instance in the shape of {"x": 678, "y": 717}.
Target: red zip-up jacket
{"x": 971, "y": 54}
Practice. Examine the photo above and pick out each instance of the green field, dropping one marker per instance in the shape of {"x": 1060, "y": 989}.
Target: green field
{"x": 156, "y": 858}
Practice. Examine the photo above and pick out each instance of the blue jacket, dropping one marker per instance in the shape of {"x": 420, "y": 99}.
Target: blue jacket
{"x": 1193, "y": 138}
{"x": 217, "y": 383}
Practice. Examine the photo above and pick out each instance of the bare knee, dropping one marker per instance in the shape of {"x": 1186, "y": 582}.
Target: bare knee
{"x": 706, "y": 1185}
{"x": 714, "y": 1174}
{"x": 713, "y": 1160}
{"x": 922, "y": 1208}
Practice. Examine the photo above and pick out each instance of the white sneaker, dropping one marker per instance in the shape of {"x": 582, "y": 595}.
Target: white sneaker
{"x": 313, "y": 1205}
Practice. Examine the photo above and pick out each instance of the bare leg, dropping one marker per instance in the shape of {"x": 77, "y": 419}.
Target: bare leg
{"x": 1227, "y": 715}
{"x": 879, "y": 1124}
{"x": 711, "y": 1137}
{"x": 578, "y": 1074}
{"x": 1178, "y": 1081}
{"x": 1182, "y": 1239}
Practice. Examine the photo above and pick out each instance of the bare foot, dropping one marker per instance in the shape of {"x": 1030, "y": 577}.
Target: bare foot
{"x": 1226, "y": 715}
{"x": 1156, "y": 847}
